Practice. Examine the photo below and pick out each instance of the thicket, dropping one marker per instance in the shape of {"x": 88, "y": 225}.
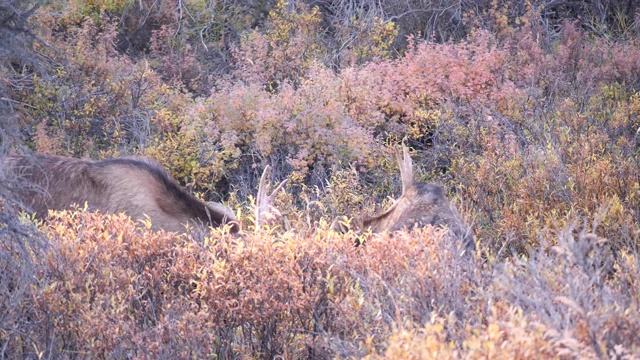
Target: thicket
{"x": 528, "y": 115}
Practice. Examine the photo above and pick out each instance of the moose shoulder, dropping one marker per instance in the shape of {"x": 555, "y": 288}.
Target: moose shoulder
{"x": 136, "y": 186}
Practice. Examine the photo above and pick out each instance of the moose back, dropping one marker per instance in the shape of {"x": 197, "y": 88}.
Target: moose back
{"x": 135, "y": 186}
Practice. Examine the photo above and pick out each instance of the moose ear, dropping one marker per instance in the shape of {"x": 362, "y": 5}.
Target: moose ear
{"x": 218, "y": 211}
{"x": 265, "y": 210}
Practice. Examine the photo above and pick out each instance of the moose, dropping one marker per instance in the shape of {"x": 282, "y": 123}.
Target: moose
{"x": 420, "y": 205}
{"x": 138, "y": 187}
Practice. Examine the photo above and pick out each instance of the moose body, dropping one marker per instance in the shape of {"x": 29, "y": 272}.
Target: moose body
{"x": 137, "y": 187}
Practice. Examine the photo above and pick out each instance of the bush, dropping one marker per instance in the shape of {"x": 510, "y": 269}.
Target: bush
{"x": 314, "y": 294}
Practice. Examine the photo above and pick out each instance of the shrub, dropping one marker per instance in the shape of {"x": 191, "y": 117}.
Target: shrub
{"x": 314, "y": 294}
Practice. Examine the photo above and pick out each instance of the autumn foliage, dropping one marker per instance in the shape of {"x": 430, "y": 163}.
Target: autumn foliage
{"x": 528, "y": 116}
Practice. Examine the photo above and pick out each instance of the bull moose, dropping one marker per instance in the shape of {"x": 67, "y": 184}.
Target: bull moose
{"x": 136, "y": 186}
{"x": 140, "y": 187}
{"x": 420, "y": 205}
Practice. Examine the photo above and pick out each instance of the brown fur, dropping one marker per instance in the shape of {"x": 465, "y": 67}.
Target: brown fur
{"x": 134, "y": 186}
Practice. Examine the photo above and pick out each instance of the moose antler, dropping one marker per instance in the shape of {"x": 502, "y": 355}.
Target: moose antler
{"x": 265, "y": 211}
{"x": 406, "y": 168}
